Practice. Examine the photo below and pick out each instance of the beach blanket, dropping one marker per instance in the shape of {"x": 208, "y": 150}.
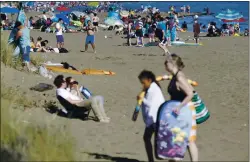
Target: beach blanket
{"x": 172, "y": 131}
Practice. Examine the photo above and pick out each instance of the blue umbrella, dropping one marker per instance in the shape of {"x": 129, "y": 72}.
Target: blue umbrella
{"x": 229, "y": 15}
{"x": 63, "y": 17}
{"x": 9, "y": 10}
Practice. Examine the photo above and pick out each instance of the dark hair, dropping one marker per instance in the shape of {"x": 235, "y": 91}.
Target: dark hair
{"x": 95, "y": 14}
{"x": 59, "y": 80}
{"x": 68, "y": 80}
{"x": 39, "y": 38}
{"x": 145, "y": 74}
{"x": 31, "y": 39}
{"x": 44, "y": 12}
{"x": 60, "y": 19}
{"x": 161, "y": 19}
{"x": 17, "y": 24}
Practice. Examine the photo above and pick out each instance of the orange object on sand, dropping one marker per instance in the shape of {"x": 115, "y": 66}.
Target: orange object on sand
{"x": 63, "y": 70}
{"x": 96, "y": 72}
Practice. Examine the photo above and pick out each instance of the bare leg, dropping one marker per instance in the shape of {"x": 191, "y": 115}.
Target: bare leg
{"x": 137, "y": 41}
{"x": 93, "y": 46}
{"x": 142, "y": 41}
{"x": 86, "y": 47}
{"x": 193, "y": 151}
{"x": 62, "y": 44}
{"x": 58, "y": 45}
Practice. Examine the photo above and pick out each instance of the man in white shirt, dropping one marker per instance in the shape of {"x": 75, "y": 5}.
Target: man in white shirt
{"x": 59, "y": 33}
{"x": 93, "y": 103}
{"x": 44, "y": 16}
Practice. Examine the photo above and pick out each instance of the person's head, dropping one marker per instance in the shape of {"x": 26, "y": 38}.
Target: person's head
{"x": 174, "y": 63}
{"x": 39, "y": 39}
{"x": 60, "y": 20}
{"x": 161, "y": 19}
{"x": 146, "y": 78}
{"x": 32, "y": 39}
{"x": 31, "y": 18}
{"x": 60, "y": 82}
{"x": 44, "y": 12}
{"x": 95, "y": 14}
{"x": 70, "y": 82}
{"x": 45, "y": 42}
{"x": 18, "y": 25}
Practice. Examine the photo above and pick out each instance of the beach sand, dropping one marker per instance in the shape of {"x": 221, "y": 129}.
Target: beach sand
{"x": 220, "y": 67}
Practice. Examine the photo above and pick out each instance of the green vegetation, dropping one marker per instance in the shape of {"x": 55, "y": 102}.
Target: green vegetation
{"x": 16, "y": 63}
{"x": 25, "y": 141}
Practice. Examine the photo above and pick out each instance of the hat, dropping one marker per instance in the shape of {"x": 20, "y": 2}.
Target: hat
{"x": 17, "y": 24}
{"x": 196, "y": 16}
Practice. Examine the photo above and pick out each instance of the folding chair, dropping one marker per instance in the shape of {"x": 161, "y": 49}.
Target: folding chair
{"x": 73, "y": 110}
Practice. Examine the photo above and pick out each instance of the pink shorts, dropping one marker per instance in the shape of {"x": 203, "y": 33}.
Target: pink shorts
{"x": 151, "y": 35}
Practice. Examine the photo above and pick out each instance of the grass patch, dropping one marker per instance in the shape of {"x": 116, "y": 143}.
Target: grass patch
{"x": 22, "y": 141}
{"x": 16, "y": 63}
{"x": 18, "y": 98}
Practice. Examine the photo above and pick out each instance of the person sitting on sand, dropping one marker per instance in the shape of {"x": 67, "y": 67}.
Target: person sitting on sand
{"x": 246, "y": 33}
{"x": 39, "y": 47}
{"x": 94, "y": 102}
{"x": 90, "y": 39}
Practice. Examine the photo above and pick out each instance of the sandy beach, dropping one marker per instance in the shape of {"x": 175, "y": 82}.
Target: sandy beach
{"x": 220, "y": 67}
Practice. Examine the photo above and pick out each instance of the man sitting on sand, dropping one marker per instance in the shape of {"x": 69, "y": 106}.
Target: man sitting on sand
{"x": 94, "y": 102}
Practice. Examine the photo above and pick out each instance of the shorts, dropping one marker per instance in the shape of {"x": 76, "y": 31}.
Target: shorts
{"x": 151, "y": 35}
{"x": 95, "y": 23}
{"x": 90, "y": 39}
{"x": 25, "y": 52}
{"x": 139, "y": 33}
{"x": 59, "y": 39}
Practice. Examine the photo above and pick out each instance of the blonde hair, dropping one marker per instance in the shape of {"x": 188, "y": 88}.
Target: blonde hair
{"x": 175, "y": 59}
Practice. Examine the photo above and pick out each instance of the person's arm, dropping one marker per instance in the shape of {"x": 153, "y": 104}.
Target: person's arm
{"x": 73, "y": 102}
{"x": 18, "y": 35}
{"x": 58, "y": 26}
{"x": 185, "y": 87}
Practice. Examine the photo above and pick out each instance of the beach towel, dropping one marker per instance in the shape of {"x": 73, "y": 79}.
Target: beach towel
{"x": 173, "y": 132}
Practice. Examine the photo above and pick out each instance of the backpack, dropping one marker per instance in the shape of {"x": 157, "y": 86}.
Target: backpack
{"x": 63, "y": 50}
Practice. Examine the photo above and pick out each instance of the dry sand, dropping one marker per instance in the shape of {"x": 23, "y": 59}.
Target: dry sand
{"x": 220, "y": 67}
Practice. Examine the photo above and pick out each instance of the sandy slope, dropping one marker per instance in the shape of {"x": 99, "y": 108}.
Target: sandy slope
{"x": 220, "y": 67}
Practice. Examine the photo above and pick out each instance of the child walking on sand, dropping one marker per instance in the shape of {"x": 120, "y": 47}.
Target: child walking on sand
{"x": 150, "y": 105}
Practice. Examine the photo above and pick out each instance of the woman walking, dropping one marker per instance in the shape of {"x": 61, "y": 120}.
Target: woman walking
{"x": 180, "y": 90}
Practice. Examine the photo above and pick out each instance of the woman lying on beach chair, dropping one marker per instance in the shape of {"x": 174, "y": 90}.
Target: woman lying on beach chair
{"x": 95, "y": 102}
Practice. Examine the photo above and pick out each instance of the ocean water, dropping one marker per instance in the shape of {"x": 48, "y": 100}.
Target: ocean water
{"x": 215, "y": 7}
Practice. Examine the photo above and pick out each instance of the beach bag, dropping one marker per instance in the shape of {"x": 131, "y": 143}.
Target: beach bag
{"x": 85, "y": 92}
{"x": 172, "y": 131}
{"x": 202, "y": 113}
{"x": 63, "y": 50}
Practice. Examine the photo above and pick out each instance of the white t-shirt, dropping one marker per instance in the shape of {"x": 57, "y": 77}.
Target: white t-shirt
{"x": 66, "y": 94}
{"x": 59, "y": 26}
{"x": 151, "y": 103}
{"x": 44, "y": 17}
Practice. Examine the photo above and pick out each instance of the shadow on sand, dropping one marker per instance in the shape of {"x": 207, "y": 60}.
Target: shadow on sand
{"x": 111, "y": 158}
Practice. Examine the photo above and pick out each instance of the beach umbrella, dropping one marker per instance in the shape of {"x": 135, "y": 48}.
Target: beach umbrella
{"x": 229, "y": 15}
{"x": 9, "y": 10}
{"x": 236, "y": 20}
{"x": 93, "y": 4}
{"x": 78, "y": 13}
{"x": 113, "y": 22}
{"x": 63, "y": 17}
{"x": 62, "y": 8}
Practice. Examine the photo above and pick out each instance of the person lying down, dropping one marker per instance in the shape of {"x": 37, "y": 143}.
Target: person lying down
{"x": 71, "y": 92}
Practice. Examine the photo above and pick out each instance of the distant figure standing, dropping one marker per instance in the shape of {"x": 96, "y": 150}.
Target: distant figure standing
{"x": 90, "y": 39}
{"x": 59, "y": 34}
{"x": 196, "y": 29}
{"x": 95, "y": 20}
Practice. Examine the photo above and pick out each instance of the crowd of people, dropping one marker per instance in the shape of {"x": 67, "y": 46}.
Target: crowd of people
{"x": 153, "y": 26}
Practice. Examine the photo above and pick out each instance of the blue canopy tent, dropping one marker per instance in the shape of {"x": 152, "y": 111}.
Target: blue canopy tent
{"x": 9, "y": 10}
{"x": 63, "y": 17}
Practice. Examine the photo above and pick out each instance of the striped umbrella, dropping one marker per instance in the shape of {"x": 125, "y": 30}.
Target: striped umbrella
{"x": 229, "y": 15}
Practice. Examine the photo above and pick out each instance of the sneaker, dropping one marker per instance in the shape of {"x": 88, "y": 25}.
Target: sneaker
{"x": 104, "y": 121}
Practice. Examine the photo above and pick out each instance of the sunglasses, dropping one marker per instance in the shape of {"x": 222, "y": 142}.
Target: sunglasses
{"x": 74, "y": 82}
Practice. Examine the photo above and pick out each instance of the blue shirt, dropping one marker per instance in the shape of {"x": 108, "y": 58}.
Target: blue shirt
{"x": 24, "y": 40}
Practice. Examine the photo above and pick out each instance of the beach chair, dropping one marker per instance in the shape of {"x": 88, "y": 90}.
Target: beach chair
{"x": 73, "y": 110}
